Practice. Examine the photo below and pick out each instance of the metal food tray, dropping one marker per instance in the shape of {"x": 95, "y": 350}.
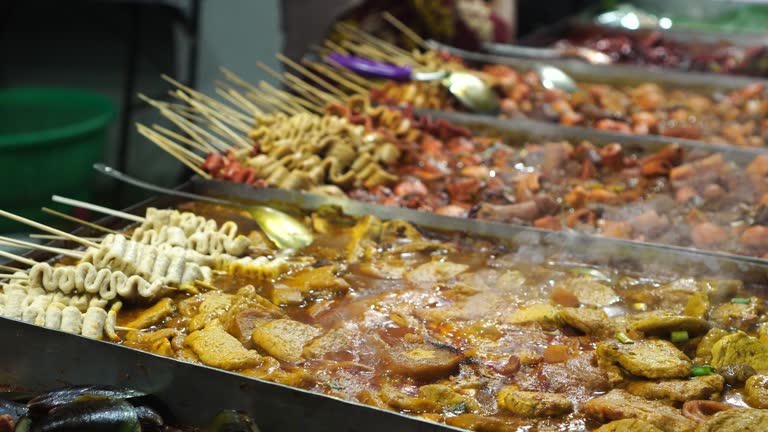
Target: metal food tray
{"x": 615, "y": 75}
{"x": 545, "y": 36}
{"x": 524, "y": 129}
{"x": 37, "y": 358}
{"x": 612, "y": 74}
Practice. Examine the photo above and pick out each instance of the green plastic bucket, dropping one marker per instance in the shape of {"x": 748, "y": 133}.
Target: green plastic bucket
{"x": 49, "y": 139}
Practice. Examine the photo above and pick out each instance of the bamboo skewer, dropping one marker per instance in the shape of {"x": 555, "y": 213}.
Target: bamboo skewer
{"x": 306, "y": 72}
{"x": 198, "y": 95}
{"x": 197, "y": 133}
{"x": 17, "y": 258}
{"x": 182, "y": 138}
{"x": 60, "y": 238}
{"x": 208, "y": 113}
{"x": 80, "y": 221}
{"x": 9, "y": 268}
{"x": 13, "y": 276}
{"x": 309, "y": 100}
{"x": 337, "y": 76}
{"x": 282, "y": 96}
{"x": 42, "y": 227}
{"x": 412, "y": 35}
{"x": 97, "y": 208}
{"x": 35, "y": 246}
{"x": 173, "y": 149}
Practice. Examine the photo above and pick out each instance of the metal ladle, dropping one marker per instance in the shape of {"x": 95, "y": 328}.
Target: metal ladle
{"x": 551, "y": 77}
{"x": 285, "y": 231}
{"x": 589, "y": 55}
{"x": 469, "y": 89}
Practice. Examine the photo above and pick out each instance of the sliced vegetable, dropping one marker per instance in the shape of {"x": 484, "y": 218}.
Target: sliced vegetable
{"x": 702, "y": 370}
{"x": 679, "y": 336}
{"x": 586, "y": 271}
{"x": 741, "y": 300}
{"x": 623, "y": 338}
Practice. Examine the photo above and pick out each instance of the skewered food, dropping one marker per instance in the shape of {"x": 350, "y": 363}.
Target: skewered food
{"x": 736, "y": 118}
{"x": 654, "y": 48}
{"x": 101, "y": 408}
{"x": 671, "y": 195}
{"x": 478, "y": 334}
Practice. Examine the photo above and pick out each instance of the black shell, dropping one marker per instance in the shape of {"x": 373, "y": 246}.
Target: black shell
{"x": 90, "y": 415}
{"x": 47, "y": 401}
{"x": 233, "y": 421}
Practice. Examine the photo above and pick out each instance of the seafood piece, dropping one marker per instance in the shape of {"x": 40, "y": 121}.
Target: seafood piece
{"x": 47, "y": 401}
{"x": 232, "y": 421}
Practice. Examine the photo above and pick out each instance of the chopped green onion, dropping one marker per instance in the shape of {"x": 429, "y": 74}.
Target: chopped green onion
{"x": 586, "y": 271}
{"x": 623, "y": 338}
{"x": 741, "y": 300}
{"x": 679, "y": 336}
{"x": 459, "y": 408}
{"x": 702, "y": 370}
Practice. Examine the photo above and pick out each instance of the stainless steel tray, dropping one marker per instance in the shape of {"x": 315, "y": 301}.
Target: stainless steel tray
{"x": 521, "y": 129}
{"x": 613, "y": 74}
{"x": 39, "y": 358}
{"x": 545, "y": 36}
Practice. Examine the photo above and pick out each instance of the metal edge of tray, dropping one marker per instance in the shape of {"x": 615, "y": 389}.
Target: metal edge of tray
{"x": 37, "y": 359}
{"x": 195, "y": 392}
{"x": 525, "y": 128}
{"x": 613, "y": 74}
{"x": 551, "y": 33}
{"x": 540, "y": 245}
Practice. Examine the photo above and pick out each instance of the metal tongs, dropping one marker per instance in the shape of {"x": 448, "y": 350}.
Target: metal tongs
{"x": 285, "y": 231}
{"x": 469, "y": 89}
{"x": 589, "y": 55}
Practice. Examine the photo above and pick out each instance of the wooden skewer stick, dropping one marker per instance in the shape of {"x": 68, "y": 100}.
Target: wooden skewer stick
{"x": 283, "y": 96}
{"x": 381, "y": 43}
{"x": 196, "y": 132}
{"x": 80, "y": 221}
{"x": 410, "y": 34}
{"x": 56, "y": 237}
{"x": 10, "y": 269}
{"x": 236, "y": 98}
{"x": 35, "y": 246}
{"x": 206, "y": 111}
{"x": 173, "y": 149}
{"x": 209, "y": 100}
{"x": 97, "y": 208}
{"x": 17, "y": 258}
{"x": 181, "y": 138}
{"x": 13, "y": 276}
{"x": 329, "y": 72}
{"x": 42, "y": 227}
{"x": 314, "y": 77}
{"x": 308, "y": 100}
{"x": 183, "y": 150}
{"x": 326, "y": 97}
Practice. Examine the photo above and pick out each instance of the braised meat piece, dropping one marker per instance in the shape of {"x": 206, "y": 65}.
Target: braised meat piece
{"x": 618, "y": 405}
{"x": 533, "y": 404}
{"x": 654, "y": 359}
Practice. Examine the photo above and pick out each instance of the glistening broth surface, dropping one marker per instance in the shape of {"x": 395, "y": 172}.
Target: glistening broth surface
{"x": 471, "y": 332}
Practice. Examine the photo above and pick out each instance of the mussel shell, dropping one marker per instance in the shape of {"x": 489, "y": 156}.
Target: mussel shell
{"x": 150, "y": 419}
{"x": 90, "y": 415}
{"x": 233, "y": 421}
{"x": 13, "y": 409}
{"x": 47, "y": 401}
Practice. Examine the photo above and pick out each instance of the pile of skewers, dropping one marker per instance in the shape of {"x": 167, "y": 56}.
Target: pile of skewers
{"x": 168, "y": 252}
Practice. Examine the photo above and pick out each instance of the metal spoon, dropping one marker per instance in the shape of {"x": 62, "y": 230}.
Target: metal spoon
{"x": 469, "y": 89}
{"x": 550, "y": 76}
{"x": 589, "y": 55}
{"x": 285, "y": 231}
